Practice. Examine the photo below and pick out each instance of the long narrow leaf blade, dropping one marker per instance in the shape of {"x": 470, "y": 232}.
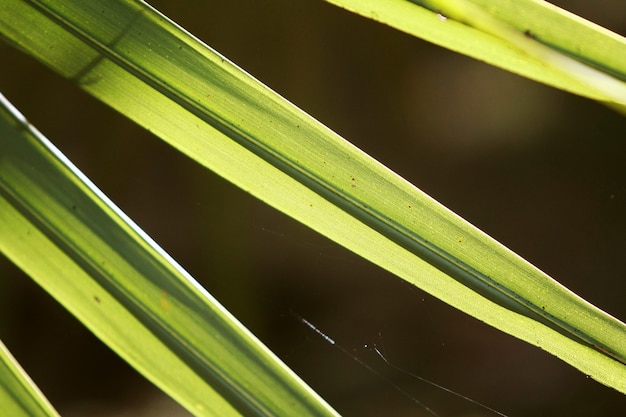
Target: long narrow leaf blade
{"x": 19, "y": 396}
{"x": 165, "y": 79}
{"x": 531, "y": 38}
{"x": 85, "y": 252}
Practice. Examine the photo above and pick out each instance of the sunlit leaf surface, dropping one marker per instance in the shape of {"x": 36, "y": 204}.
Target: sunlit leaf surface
{"x": 157, "y": 74}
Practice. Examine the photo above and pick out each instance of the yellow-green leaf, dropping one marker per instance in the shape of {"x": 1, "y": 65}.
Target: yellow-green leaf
{"x": 19, "y": 396}
{"x": 146, "y": 67}
{"x": 75, "y": 243}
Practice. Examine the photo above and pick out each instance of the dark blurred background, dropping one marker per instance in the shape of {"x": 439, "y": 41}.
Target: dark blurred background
{"x": 538, "y": 169}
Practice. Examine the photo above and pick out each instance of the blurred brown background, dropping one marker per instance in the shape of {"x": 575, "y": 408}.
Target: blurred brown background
{"x": 540, "y": 170}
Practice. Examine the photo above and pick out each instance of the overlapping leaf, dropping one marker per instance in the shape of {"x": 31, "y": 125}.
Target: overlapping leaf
{"x": 154, "y": 72}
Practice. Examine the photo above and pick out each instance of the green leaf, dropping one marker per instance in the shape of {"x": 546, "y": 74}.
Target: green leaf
{"x": 157, "y": 74}
{"x": 61, "y": 230}
{"x": 19, "y": 396}
{"x": 531, "y": 38}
